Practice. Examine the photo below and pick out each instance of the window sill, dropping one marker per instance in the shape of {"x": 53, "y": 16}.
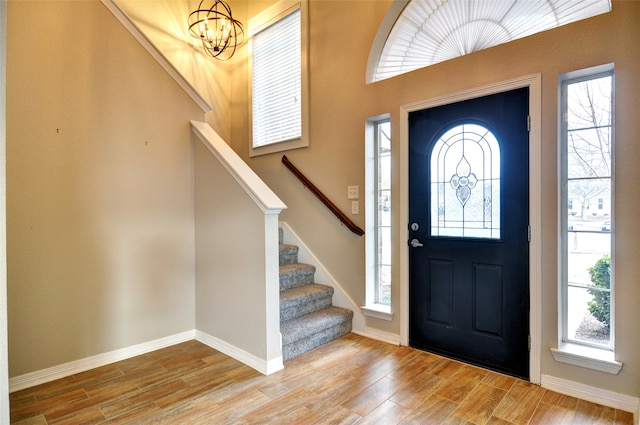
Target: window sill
{"x": 588, "y": 357}
{"x": 379, "y": 311}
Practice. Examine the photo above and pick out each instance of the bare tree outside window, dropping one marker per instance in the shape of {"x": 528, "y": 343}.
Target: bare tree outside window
{"x": 589, "y": 141}
{"x": 588, "y": 160}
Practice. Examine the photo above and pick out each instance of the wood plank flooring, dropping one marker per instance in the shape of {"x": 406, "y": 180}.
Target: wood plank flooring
{"x": 353, "y": 380}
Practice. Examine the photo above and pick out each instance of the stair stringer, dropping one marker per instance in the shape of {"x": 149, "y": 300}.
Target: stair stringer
{"x": 340, "y": 297}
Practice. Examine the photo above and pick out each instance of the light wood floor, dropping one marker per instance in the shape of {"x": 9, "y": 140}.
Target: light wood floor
{"x": 351, "y": 380}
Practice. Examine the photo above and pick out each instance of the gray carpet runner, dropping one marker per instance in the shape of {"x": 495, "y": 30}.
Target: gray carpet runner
{"x": 307, "y": 317}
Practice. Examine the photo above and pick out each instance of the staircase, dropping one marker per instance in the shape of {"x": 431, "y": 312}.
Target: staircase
{"x": 307, "y": 317}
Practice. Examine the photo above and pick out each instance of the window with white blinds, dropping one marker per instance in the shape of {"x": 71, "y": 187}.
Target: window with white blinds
{"x": 277, "y": 80}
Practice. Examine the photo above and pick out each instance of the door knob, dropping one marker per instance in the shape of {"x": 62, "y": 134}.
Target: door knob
{"x": 415, "y": 243}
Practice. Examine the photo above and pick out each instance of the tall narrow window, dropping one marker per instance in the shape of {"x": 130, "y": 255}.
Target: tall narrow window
{"x": 585, "y": 207}
{"x": 278, "y": 78}
{"x": 383, "y": 212}
{"x": 378, "y": 218}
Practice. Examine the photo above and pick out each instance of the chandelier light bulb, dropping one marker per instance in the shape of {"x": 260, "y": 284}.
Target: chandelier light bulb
{"x": 215, "y": 26}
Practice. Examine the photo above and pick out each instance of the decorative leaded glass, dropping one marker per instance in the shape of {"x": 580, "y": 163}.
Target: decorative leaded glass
{"x": 465, "y": 183}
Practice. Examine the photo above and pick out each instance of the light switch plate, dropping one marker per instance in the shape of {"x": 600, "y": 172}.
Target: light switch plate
{"x": 353, "y": 192}
{"x": 355, "y": 207}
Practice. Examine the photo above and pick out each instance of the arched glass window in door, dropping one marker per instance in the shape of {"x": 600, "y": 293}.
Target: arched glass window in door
{"x": 465, "y": 183}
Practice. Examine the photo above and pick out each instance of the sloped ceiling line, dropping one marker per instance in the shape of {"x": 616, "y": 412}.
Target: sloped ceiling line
{"x": 133, "y": 29}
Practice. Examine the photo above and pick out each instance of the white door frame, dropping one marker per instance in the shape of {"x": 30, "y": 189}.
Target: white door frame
{"x": 534, "y": 82}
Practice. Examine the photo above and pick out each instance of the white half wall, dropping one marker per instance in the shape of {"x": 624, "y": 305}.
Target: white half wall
{"x": 237, "y": 272}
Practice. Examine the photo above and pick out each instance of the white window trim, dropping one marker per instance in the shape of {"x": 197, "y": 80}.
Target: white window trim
{"x": 587, "y": 357}
{"x": 378, "y": 311}
{"x": 259, "y": 22}
{"x": 590, "y": 357}
{"x": 371, "y": 308}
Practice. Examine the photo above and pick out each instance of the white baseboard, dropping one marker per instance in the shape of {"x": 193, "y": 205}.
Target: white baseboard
{"x": 266, "y": 367}
{"x": 378, "y": 335}
{"x": 592, "y": 394}
{"x": 56, "y": 372}
{"x": 32, "y": 379}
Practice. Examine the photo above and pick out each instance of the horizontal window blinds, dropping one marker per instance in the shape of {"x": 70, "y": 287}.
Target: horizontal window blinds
{"x": 277, "y": 82}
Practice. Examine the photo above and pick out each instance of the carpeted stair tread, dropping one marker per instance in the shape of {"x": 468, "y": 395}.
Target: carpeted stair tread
{"x": 309, "y": 324}
{"x": 307, "y": 317}
{"x": 310, "y": 342}
{"x": 288, "y": 254}
{"x": 308, "y": 292}
{"x": 296, "y": 274}
{"x": 298, "y": 301}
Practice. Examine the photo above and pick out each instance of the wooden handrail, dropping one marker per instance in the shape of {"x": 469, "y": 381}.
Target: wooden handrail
{"x": 335, "y": 210}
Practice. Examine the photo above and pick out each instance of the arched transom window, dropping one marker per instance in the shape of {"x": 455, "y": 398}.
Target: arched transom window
{"x": 419, "y": 33}
{"x": 465, "y": 183}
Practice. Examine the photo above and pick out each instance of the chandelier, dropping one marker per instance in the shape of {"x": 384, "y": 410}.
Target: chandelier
{"x": 215, "y": 27}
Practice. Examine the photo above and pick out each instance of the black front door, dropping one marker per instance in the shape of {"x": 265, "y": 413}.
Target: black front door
{"x": 468, "y": 231}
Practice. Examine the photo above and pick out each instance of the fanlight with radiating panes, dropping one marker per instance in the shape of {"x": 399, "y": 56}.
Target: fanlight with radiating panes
{"x": 426, "y": 32}
{"x": 465, "y": 183}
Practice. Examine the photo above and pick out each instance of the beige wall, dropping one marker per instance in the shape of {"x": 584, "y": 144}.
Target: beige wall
{"x": 100, "y": 188}
{"x": 165, "y": 24}
{"x": 341, "y": 34}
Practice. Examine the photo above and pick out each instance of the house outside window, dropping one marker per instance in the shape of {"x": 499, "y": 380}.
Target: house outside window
{"x": 586, "y": 255}
{"x": 278, "y": 104}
